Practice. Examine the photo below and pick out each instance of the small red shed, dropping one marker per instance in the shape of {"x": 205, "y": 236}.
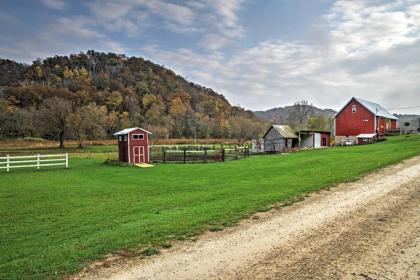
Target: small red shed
{"x": 133, "y": 145}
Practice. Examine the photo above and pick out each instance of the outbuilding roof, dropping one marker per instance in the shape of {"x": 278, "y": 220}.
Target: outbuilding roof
{"x": 373, "y": 107}
{"x": 284, "y": 130}
{"x": 128, "y": 130}
{"x": 366, "y": 135}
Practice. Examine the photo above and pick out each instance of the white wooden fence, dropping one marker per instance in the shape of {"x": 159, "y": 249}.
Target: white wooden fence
{"x": 8, "y": 162}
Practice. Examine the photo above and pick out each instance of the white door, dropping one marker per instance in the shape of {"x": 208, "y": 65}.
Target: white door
{"x": 317, "y": 140}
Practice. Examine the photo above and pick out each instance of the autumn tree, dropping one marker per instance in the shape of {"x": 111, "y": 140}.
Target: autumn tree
{"x": 88, "y": 122}
{"x": 320, "y": 123}
{"x": 135, "y": 92}
{"x": 55, "y": 117}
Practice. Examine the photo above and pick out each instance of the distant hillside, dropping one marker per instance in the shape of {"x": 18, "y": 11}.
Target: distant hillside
{"x": 91, "y": 95}
{"x": 286, "y": 114}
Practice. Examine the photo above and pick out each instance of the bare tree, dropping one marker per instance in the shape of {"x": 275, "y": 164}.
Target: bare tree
{"x": 303, "y": 111}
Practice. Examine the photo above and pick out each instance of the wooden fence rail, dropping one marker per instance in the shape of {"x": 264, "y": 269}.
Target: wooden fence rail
{"x": 8, "y": 162}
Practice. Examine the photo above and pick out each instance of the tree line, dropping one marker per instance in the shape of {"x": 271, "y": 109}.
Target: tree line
{"x": 92, "y": 95}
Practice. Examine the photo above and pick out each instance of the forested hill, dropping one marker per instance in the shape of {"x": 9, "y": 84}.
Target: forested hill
{"x": 91, "y": 95}
{"x": 287, "y": 114}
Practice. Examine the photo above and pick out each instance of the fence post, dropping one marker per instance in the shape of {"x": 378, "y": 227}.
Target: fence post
{"x": 185, "y": 154}
{"x": 164, "y": 155}
{"x": 236, "y": 153}
{"x": 223, "y": 154}
{"x": 37, "y": 162}
{"x": 7, "y": 163}
{"x": 205, "y": 155}
{"x": 67, "y": 160}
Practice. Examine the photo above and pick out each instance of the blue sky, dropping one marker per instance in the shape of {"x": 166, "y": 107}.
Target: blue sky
{"x": 259, "y": 54}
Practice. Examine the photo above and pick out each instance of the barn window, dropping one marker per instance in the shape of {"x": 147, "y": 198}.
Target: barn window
{"x": 122, "y": 138}
{"x": 138, "y": 136}
{"x": 353, "y": 108}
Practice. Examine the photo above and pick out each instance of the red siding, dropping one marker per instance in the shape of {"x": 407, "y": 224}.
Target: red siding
{"x": 139, "y": 143}
{"x": 348, "y": 123}
{"x": 122, "y": 151}
{"x": 327, "y": 136}
{"x": 385, "y": 125}
{"x": 361, "y": 141}
{"x": 134, "y": 150}
{"x": 393, "y": 124}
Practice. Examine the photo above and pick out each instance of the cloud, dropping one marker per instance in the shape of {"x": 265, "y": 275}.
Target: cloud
{"x": 4, "y": 17}
{"x": 215, "y": 21}
{"x": 368, "y": 51}
{"x": 63, "y": 36}
{"x": 55, "y": 4}
{"x": 357, "y": 48}
{"x": 358, "y": 29}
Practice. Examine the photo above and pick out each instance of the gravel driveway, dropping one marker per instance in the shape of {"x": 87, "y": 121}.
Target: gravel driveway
{"x": 367, "y": 229}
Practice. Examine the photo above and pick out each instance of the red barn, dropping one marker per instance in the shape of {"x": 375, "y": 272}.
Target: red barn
{"x": 133, "y": 145}
{"x": 360, "y": 117}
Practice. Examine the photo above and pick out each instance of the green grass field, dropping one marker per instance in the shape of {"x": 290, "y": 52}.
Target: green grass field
{"x": 52, "y": 222}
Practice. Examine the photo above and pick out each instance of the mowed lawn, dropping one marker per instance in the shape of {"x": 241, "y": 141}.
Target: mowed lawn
{"x": 53, "y": 222}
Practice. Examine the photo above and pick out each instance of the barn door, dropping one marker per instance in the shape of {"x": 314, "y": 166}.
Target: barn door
{"x": 138, "y": 154}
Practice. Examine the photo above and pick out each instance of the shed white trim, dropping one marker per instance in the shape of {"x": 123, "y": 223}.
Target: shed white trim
{"x": 128, "y": 130}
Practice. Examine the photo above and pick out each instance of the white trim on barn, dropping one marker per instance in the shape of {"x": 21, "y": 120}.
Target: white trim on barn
{"x": 372, "y": 107}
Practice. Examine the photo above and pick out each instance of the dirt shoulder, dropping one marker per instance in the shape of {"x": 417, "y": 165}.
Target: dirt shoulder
{"x": 368, "y": 229}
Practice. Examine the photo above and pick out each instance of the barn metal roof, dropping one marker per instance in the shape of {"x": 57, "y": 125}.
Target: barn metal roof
{"x": 284, "y": 130}
{"x": 373, "y": 107}
{"x": 128, "y": 130}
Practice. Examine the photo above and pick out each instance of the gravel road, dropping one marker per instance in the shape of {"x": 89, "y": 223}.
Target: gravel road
{"x": 367, "y": 229}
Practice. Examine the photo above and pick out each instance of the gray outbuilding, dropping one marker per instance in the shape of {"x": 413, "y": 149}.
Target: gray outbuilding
{"x": 279, "y": 138}
{"x": 413, "y": 126}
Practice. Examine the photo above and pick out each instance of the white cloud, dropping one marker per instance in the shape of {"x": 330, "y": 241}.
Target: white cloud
{"x": 215, "y": 21}
{"x": 369, "y": 52}
{"x": 55, "y": 4}
{"x": 64, "y": 36}
{"x": 360, "y": 29}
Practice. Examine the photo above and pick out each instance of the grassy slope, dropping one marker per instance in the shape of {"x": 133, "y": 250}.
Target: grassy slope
{"x": 51, "y": 222}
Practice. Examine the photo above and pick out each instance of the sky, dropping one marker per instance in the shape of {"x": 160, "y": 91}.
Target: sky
{"x": 259, "y": 54}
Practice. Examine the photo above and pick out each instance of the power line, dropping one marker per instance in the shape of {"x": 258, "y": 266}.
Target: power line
{"x": 404, "y": 108}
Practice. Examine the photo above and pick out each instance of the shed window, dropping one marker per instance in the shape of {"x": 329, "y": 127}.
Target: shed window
{"x": 122, "y": 138}
{"x": 138, "y": 136}
{"x": 353, "y": 109}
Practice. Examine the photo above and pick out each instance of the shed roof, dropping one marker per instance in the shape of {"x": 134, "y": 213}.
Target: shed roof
{"x": 315, "y": 131}
{"x": 373, "y": 107}
{"x": 284, "y": 130}
{"x": 128, "y": 130}
{"x": 366, "y": 135}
